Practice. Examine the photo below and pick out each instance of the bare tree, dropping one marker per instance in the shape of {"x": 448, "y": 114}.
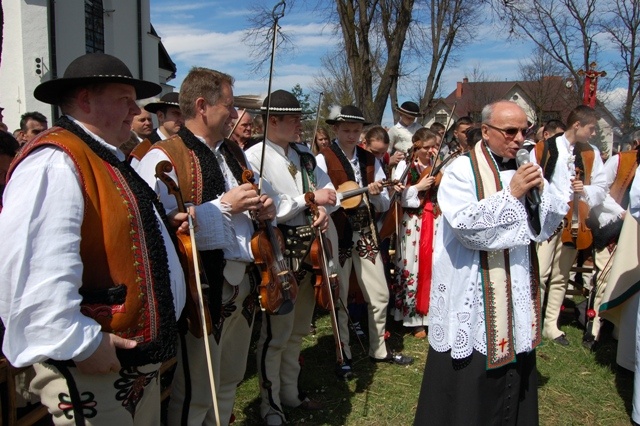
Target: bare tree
{"x": 623, "y": 28}
{"x": 442, "y": 26}
{"x": 363, "y": 24}
{"x": 358, "y": 21}
{"x": 334, "y": 81}
{"x": 566, "y": 30}
{"x": 544, "y": 79}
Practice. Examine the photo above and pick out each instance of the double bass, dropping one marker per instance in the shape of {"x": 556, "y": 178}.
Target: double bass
{"x": 278, "y": 287}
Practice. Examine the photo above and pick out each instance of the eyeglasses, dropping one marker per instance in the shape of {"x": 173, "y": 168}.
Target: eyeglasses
{"x": 510, "y": 132}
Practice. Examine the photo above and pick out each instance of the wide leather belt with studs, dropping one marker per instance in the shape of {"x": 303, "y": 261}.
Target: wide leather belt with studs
{"x": 360, "y": 219}
{"x": 297, "y": 240}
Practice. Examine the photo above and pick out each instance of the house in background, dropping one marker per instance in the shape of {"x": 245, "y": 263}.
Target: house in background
{"x": 551, "y": 98}
{"x": 41, "y": 38}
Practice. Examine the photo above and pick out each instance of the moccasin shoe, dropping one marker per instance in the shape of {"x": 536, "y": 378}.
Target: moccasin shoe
{"x": 561, "y": 340}
{"x": 310, "y": 405}
{"x": 344, "y": 371}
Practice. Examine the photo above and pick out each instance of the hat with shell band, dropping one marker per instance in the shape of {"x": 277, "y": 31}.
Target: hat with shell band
{"x": 282, "y": 103}
{"x": 93, "y": 68}
{"x": 167, "y": 100}
{"x": 348, "y": 114}
{"x": 409, "y": 108}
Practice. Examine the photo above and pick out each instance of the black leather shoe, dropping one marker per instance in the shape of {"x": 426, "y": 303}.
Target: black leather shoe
{"x": 398, "y": 359}
{"x": 561, "y": 340}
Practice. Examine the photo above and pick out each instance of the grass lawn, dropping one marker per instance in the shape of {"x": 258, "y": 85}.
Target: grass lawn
{"x": 577, "y": 387}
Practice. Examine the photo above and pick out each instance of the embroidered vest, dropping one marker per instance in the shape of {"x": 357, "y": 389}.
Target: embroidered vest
{"x": 200, "y": 180}
{"x": 339, "y": 174}
{"x": 118, "y": 287}
{"x": 547, "y": 157}
{"x": 624, "y": 177}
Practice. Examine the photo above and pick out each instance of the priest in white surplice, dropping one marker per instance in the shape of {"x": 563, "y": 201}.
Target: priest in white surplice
{"x": 485, "y": 304}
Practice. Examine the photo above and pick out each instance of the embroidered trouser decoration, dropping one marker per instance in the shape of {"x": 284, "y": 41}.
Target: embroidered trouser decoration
{"x": 367, "y": 248}
{"x": 131, "y": 387}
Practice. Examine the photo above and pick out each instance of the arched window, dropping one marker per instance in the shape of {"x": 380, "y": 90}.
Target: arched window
{"x": 94, "y": 26}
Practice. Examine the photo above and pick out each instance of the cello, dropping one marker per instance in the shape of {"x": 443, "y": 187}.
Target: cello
{"x": 327, "y": 285}
{"x": 278, "y": 287}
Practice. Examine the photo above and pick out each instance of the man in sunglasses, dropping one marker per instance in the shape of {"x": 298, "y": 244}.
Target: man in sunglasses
{"x": 484, "y": 306}
{"x": 569, "y": 149}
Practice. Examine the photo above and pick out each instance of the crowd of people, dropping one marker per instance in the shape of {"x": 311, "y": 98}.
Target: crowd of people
{"x": 466, "y": 235}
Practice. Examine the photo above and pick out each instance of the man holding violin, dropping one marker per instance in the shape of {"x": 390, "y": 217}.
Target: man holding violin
{"x": 346, "y": 162}
{"x": 291, "y": 170}
{"x": 209, "y": 171}
{"x": 557, "y": 255}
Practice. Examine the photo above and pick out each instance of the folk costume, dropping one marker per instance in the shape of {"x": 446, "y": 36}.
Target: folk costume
{"x": 171, "y": 99}
{"x": 632, "y": 302}
{"x": 292, "y": 172}
{"x": 605, "y": 222}
{"x": 484, "y": 316}
{"x": 400, "y": 135}
{"x": 414, "y": 254}
{"x": 555, "y": 258}
{"x": 357, "y": 239}
{"x": 91, "y": 255}
{"x": 203, "y": 175}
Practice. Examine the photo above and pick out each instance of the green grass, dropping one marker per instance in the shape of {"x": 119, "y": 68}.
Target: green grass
{"x": 577, "y": 387}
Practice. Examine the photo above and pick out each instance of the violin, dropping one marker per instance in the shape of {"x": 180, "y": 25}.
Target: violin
{"x": 185, "y": 254}
{"x": 436, "y": 171}
{"x": 327, "y": 285}
{"x": 575, "y": 231}
{"x": 278, "y": 287}
{"x": 350, "y": 193}
{"x": 391, "y": 218}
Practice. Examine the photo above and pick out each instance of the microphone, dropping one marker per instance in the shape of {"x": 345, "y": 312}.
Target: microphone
{"x": 522, "y": 158}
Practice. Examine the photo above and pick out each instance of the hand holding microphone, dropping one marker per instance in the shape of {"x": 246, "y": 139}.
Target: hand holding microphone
{"x": 527, "y": 179}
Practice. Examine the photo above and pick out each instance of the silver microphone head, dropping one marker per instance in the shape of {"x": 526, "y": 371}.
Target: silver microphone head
{"x": 522, "y": 157}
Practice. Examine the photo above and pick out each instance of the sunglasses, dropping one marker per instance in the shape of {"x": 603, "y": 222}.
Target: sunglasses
{"x": 510, "y": 132}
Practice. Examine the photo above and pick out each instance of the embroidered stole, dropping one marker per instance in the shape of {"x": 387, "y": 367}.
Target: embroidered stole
{"x": 496, "y": 276}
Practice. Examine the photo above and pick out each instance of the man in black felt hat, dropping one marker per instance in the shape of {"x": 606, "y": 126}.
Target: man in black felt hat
{"x": 94, "y": 285}
{"x": 400, "y": 135}
{"x": 291, "y": 170}
{"x": 167, "y": 109}
{"x": 345, "y": 161}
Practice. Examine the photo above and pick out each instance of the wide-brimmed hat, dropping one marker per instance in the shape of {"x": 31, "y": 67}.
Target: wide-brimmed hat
{"x": 93, "y": 68}
{"x": 252, "y": 102}
{"x": 282, "y": 103}
{"x": 167, "y": 100}
{"x": 409, "y": 108}
{"x": 348, "y": 114}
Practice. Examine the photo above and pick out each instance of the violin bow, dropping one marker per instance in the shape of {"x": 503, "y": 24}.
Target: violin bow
{"x": 314, "y": 145}
{"x": 162, "y": 168}
{"x": 446, "y": 129}
{"x": 276, "y": 14}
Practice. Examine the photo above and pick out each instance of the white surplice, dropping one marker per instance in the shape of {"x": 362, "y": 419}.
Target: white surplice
{"x": 498, "y": 222}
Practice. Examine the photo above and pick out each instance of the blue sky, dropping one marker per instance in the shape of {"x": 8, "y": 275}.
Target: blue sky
{"x": 210, "y": 33}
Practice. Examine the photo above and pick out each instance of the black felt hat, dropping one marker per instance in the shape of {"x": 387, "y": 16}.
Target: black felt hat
{"x": 282, "y": 103}
{"x": 348, "y": 114}
{"x": 93, "y": 68}
{"x": 410, "y": 108}
{"x": 167, "y": 100}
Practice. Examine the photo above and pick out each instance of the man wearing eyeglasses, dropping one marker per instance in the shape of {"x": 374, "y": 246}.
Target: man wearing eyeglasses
{"x": 572, "y": 150}
{"x": 484, "y": 307}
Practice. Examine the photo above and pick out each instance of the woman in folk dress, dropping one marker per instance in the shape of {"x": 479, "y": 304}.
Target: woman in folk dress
{"x": 416, "y": 235}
